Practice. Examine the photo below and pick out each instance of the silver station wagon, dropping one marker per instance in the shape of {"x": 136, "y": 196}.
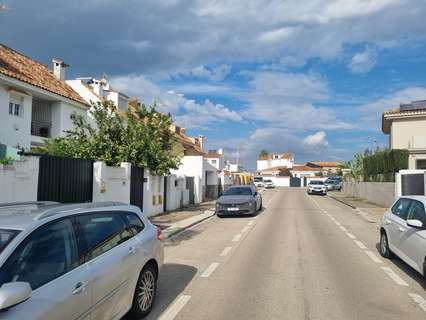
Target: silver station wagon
{"x": 80, "y": 261}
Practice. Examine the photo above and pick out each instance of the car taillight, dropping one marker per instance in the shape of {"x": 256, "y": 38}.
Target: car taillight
{"x": 159, "y": 234}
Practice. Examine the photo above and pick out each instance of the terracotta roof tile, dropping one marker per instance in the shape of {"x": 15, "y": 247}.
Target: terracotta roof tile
{"x": 18, "y": 66}
{"x": 326, "y": 163}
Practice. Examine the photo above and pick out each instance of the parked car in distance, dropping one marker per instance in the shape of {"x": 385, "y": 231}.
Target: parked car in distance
{"x": 80, "y": 261}
{"x": 334, "y": 183}
{"x": 239, "y": 200}
{"x": 258, "y": 182}
{"x": 269, "y": 184}
{"x": 403, "y": 232}
{"x": 317, "y": 187}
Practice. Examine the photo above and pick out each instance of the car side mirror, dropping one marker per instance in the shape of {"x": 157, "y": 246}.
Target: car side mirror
{"x": 13, "y": 293}
{"x": 415, "y": 223}
{"x": 255, "y": 194}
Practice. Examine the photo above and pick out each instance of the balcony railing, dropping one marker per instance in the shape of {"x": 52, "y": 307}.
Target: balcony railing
{"x": 41, "y": 128}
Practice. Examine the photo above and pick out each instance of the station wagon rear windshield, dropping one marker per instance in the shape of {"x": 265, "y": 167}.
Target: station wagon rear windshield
{"x": 6, "y": 236}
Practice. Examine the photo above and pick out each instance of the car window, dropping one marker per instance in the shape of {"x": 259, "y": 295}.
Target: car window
{"x": 134, "y": 222}
{"x": 317, "y": 182}
{"x": 102, "y": 232}
{"x": 6, "y": 236}
{"x": 46, "y": 254}
{"x": 417, "y": 212}
{"x": 400, "y": 208}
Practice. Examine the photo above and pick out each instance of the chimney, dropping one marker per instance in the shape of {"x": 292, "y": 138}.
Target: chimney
{"x": 201, "y": 141}
{"x": 59, "y": 69}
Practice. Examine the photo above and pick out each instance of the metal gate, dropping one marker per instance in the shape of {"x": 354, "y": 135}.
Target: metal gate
{"x": 165, "y": 193}
{"x": 190, "y": 187}
{"x": 295, "y": 182}
{"x": 136, "y": 187}
{"x": 65, "y": 180}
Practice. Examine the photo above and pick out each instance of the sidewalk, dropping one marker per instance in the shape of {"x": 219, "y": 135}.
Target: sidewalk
{"x": 174, "y": 222}
{"x": 367, "y": 210}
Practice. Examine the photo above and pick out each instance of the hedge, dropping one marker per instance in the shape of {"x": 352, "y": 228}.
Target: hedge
{"x": 383, "y": 165}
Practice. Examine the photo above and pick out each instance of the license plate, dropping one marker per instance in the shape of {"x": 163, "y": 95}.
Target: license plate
{"x": 233, "y": 209}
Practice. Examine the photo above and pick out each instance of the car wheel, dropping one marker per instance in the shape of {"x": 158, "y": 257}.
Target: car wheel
{"x": 146, "y": 289}
{"x": 384, "y": 246}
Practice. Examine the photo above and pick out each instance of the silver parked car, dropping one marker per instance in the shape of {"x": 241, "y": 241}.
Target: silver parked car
{"x": 317, "y": 187}
{"x": 403, "y": 232}
{"x": 83, "y": 261}
{"x": 239, "y": 200}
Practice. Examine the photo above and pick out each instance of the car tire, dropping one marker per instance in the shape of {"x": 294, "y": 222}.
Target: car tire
{"x": 219, "y": 215}
{"x": 384, "y": 246}
{"x": 145, "y": 292}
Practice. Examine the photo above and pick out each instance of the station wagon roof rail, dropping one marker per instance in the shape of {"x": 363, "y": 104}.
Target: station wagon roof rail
{"x": 27, "y": 203}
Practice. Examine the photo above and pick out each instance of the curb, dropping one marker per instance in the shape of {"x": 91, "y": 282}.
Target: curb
{"x": 168, "y": 235}
{"x": 363, "y": 214}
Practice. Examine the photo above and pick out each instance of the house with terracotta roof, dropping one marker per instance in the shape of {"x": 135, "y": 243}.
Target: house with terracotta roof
{"x": 272, "y": 160}
{"x": 328, "y": 168}
{"x": 406, "y": 127}
{"x": 37, "y": 102}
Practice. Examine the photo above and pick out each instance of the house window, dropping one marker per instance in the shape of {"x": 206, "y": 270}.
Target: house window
{"x": 214, "y": 161}
{"x": 421, "y": 164}
{"x": 15, "y": 109}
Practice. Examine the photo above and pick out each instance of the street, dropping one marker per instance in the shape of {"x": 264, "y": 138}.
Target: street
{"x": 302, "y": 257}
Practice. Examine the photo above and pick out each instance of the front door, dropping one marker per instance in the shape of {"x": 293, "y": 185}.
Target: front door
{"x": 413, "y": 240}
{"x": 397, "y": 226}
{"x": 49, "y": 261}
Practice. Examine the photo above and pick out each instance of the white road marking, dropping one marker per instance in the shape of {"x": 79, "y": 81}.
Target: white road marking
{"x": 360, "y": 244}
{"x": 225, "y": 251}
{"x": 250, "y": 223}
{"x": 329, "y": 215}
{"x": 338, "y": 223}
{"x": 373, "y": 256}
{"x": 245, "y": 229}
{"x": 343, "y": 228}
{"x": 210, "y": 269}
{"x": 175, "y": 308}
{"x": 419, "y": 300}
{"x": 237, "y": 238}
{"x": 394, "y": 276}
{"x": 350, "y": 235}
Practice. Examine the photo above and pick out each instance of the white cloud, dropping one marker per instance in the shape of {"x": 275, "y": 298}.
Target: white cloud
{"x": 186, "y": 112}
{"x": 364, "y": 61}
{"x": 288, "y": 99}
{"x": 317, "y": 139}
{"x": 217, "y": 73}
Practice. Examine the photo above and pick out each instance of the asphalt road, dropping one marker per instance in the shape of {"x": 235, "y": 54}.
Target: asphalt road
{"x": 303, "y": 257}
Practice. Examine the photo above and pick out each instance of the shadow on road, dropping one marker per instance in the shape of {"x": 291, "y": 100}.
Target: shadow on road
{"x": 401, "y": 265}
{"x": 172, "y": 282}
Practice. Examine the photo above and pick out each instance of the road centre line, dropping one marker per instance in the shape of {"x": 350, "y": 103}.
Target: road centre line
{"x": 245, "y": 229}
{"x": 172, "y": 311}
{"x": 225, "y": 251}
{"x": 350, "y": 235}
{"x": 360, "y": 244}
{"x": 210, "y": 269}
{"x": 372, "y": 256}
{"x": 398, "y": 280}
{"x": 419, "y": 300}
{"x": 250, "y": 223}
{"x": 237, "y": 237}
{"x": 343, "y": 229}
{"x": 338, "y": 223}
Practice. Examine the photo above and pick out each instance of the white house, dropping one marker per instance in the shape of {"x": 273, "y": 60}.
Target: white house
{"x": 37, "y": 103}
{"x": 275, "y": 160}
{"x": 233, "y": 167}
{"x": 96, "y": 90}
{"x": 216, "y": 158}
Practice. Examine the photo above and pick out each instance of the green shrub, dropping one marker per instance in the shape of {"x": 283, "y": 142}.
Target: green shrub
{"x": 382, "y": 166}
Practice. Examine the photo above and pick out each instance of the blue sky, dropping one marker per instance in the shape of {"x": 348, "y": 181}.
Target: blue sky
{"x": 311, "y": 77}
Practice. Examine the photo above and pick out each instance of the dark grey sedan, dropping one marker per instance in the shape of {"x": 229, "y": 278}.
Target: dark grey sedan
{"x": 239, "y": 200}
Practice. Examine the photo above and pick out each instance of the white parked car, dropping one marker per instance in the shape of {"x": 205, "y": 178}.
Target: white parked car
{"x": 258, "y": 182}
{"x": 269, "y": 184}
{"x": 403, "y": 232}
{"x": 82, "y": 261}
{"x": 317, "y": 187}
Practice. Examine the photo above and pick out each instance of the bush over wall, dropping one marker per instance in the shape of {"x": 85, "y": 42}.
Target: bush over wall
{"x": 382, "y": 165}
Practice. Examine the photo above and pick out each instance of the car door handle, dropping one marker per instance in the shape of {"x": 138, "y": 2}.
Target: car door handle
{"x": 132, "y": 250}
{"x": 388, "y": 222}
{"x": 401, "y": 229}
{"x": 79, "y": 287}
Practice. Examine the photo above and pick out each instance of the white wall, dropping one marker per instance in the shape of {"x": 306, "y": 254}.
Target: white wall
{"x": 177, "y": 194}
{"x": 278, "y": 181}
{"x": 153, "y": 192}
{"x": 270, "y": 163}
{"x": 193, "y": 166}
{"x": 19, "y": 182}
{"x": 111, "y": 183}
{"x": 15, "y": 130}
{"x": 381, "y": 193}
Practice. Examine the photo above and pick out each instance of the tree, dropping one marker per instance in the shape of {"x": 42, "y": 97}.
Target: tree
{"x": 263, "y": 154}
{"x": 142, "y": 138}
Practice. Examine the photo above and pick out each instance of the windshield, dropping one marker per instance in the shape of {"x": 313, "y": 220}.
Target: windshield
{"x": 268, "y": 180}
{"x": 316, "y": 182}
{"x": 238, "y": 192}
{"x": 258, "y": 179}
{"x": 6, "y": 236}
